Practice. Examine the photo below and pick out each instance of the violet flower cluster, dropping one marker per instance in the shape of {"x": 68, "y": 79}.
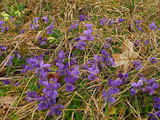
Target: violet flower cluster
{"x": 42, "y": 41}
{"x": 34, "y": 25}
{"x": 156, "y": 104}
{"x": 70, "y": 70}
{"x": 82, "y": 17}
{"x": 88, "y": 37}
{"x": 93, "y": 66}
{"x": 113, "y": 90}
{"x": 74, "y": 26}
{"x": 2, "y": 27}
{"x": 144, "y": 85}
{"x": 110, "y": 21}
{"x": 48, "y": 99}
{"x": 107, "y": 59}
{"x": 137, "y": 64}
{"x": 50, "y": 28}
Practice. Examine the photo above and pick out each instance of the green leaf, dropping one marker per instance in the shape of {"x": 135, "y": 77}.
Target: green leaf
{"x": 93, "y": 117}
{"x": 33, "y": 87}
{"x": 78, "y": 116}
{"x": 56, "y": 34}
{"x": 115, "y": 50}
{"x": 107, "y": 106}
{"x": 133, "y": 4}
{"x": 52, "y": 40}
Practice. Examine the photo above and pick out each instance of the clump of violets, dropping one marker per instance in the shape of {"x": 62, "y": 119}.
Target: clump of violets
{"x": 88, "y": 37}
{"x": 120, "y": 20}
{"x": 106, "y": 58}
{"x": 107, "y": 44}
{"x": 103, "y": 21}
{"x": 48, "y": 99}
{"x": 88, "y": 32}
{"x": 109, "y": 95}
{"x": 82, "y": 17}
{"x": 70, "y": 71}
{"x": 81, "y": 45}
{"x": 156, "y": 104}
{"x": 144, "y": 85}
{"x": 109, "y": 22}
{"x": 74, "y": 26}
{"x": 50, "y": 28}
{"x": 1, "y": 26}
{"x": 34, "y": 25}
{"x": 114, "y": 87}
{"x": 41, "y": 41}
{"x": 93, "y": 72}
{"x": 37, "y": 64}
{"x": 150, "y": 86}
{"x": 123, "y": 77}
{"x": 137, "y": 64}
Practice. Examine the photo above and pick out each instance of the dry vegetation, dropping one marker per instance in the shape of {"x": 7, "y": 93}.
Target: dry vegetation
{"x": 133, "y": 46}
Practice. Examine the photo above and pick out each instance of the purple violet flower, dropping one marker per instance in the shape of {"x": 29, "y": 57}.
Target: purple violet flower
{"x": 153, "y": 26}
{"x": 43, "y": 106}
{"x": 81, "y": 45}
{"x": 153, "y": 60}
{"x": 22, "y": 31}
{"x": 137, "y": 65}
{"x": 146, "y": 42}
{"x": 89, "y": 26}
{"x": 74, "y": 26}
{"x": 45, "y": 18}
{"x": 82, "y": 17}
{"x": 56, "y": 110}
{"x": 132, "y": 91}
{"x": 111, "y": 91}
{"x": 102, "y": 21}
{"x": 69, "y": 87}
{"x": 120, "y": 20}
{"x": 115, "y": 83}
{"x": 138, "y": 84}
{"x": 50, "y": 28}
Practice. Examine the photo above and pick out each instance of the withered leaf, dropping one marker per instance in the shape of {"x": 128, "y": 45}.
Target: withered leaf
{"x": 127, "y": 57}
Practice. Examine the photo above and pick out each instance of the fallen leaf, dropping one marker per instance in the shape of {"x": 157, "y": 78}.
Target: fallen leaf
{"x": 127, "y": 57}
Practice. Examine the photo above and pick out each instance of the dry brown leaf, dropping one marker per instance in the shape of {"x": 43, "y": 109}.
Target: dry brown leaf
{"x": 126, "y": 57}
